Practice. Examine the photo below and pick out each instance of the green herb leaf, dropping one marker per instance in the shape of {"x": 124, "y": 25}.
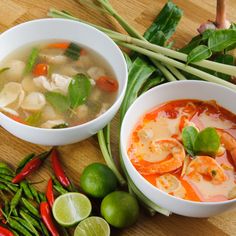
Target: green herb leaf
{"x": 31, "y": 60}
{"x": 58, "y": 101}
{"x": 206, "y": 34}
{"x": 191, "y": 45}
{"x": 73, "y": 51}
{"x": 207, "y": 142}
{"x": 61, "y": 126}
{"x": 34, "y": 119}
{"x": 4, "y": 69}
{"x": 221, "y": 39}
{"x": 79, "y": 90}
{"x": 189, "y": 135}
{"x": 199, "y": 53}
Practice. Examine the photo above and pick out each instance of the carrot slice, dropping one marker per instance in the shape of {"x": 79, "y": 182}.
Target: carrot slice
{"x": 17, "y": 119}
{"x": 107, "y": 84}
{"x": 41, "y": 69}
{"x": 59, "y": 45}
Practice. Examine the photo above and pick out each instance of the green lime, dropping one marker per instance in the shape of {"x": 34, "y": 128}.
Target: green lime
{"x": 98, "y": 180}
{"x": 120, "y": 209}
{"x": 71, "y": 208}
{"x": 92, "y": 226}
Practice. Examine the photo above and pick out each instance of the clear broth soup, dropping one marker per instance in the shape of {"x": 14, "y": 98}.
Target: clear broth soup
{"x": 56, "y": 84}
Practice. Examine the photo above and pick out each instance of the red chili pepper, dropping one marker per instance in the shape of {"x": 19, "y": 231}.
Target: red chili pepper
{"x": 30, "y": 167}
{"x": 47, "y": 218}
{"x": 49, "y": 193}
{"x": 5, "y": 232}
{"x": 59, "y": 172}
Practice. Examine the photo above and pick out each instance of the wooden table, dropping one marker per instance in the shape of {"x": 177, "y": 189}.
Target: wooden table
{"x": 140, "y": 14}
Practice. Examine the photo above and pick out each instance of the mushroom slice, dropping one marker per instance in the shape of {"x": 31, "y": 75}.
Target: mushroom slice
{"x": 51, "y": 123}
{"x": 95, "y": 72}
{"x": 16, "y": 70}
{"x": 34, "y": 101}
{"x": 10, "y": 93}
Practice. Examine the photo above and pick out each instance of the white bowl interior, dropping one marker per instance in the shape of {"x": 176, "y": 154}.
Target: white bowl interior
{"x": 173, "y": 91}
{"x": 85, "y": 35}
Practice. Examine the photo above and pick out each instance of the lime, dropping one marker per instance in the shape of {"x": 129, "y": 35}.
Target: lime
{"x": 71, "y": 208}
{"x": 92, "y": 226}
{"x": 98, "y": 180}
{"x": 120, "y": 209}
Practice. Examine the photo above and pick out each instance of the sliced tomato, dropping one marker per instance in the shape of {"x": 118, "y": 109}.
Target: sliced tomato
{"x": 107, "y": 84}
{"x": 41, "y": 69}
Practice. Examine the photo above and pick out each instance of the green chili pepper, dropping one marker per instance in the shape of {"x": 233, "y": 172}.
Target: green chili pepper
{"x": 14, "y": 232}
{"x": 24, "y": 162}
{"x": 27, "y": 225}
{"x": 42, "y": 197}
{"x": 5, "y": 188}
{"x": 6, "y": 171}
{"x": 30, "y": 219}
{"x": 26, "y": 189}
{"x": 60, "y": 189}
{"x": 15, "y": 201}
{"x": 6, "y": 207}
{"x": 3, "y": 165}
{"x": 14, "y": 212}
{"x": 6, "y": 177}
{"x": 34, "y": 193}
{"x": 11, "y": 186}
{"x": 18, "y": 227}
{"x": 44, "y": 229}
{"x": 30, "y": 207}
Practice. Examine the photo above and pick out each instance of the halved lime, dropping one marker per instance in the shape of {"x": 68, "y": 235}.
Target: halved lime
{"x": 71, "y": 208}
{"x": 92, "y": 226}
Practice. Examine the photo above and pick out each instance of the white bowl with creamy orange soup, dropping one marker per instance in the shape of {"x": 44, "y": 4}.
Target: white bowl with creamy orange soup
{"x": 35, "y": 84}
{"x": 197, "y": 180}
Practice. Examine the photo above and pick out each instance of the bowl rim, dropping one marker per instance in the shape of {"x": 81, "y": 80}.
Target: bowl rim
{"x": 91, "y": 122}
{"x": 124, "y": 154}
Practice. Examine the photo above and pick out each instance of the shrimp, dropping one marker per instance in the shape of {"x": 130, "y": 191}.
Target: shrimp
{"x": 170, "y": 156}
{"x": 229, "y": 143}
{"x": 170, "y": 184}
{"x": 207, "y": 168}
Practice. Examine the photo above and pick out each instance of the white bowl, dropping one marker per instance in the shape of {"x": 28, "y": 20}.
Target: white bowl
{"x": 85, "y": 35}
{"x": 163, "y": 93}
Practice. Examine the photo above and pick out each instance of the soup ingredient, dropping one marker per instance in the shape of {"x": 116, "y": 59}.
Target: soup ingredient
{"x": 73, "y": 51}
{"x": 4, "y": 69}
{"x": 107, "y": 84}
{"x": 31, "y": 60}
{"x": 71, "y": 208}
{"x": 58, "y": 101}
{"x": 47, "y": 218}
{"x": 120, "y": 209}
{"x": 206, "y": 142}
{"x": 57, "y": 168}
{"x": 98, "y": 180}
{"x": 94, "y": 226}
{"x": 79, "y": 90}
{"x": 59, "y": 45}
{"x": 49, "y": 193}
{"x": 5, "y": 232}
{"x": 170, "y": 184}
{"x": 229, "y": 143}
{"x": 41, "y": 69}
{"x": 15, "y": 71}
{"x": 34, "y": 102}
{"x": 206, "y": 167}
{"x": 169, "y": 155}
{"x": 30, "y": 167}
{"x": 232, "y": 193}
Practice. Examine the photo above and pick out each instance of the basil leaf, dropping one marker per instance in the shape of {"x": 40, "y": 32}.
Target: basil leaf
{"x": 34, "y": 119}
{"x": 206, "y": 34}
{"x": 207, "y": 142}
{"x": 79, "y": 90}
{"x": 189, "y": 135}
{"x": 191, "y": 45}
{"x": 221, "y": 39}
{"x": 199, "y": 53}
{"x": 73, "y": 51}
{"x": 58, "y": 101}
{"x": 4, "y": 69}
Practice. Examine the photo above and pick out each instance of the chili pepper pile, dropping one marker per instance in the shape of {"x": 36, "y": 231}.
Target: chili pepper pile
{"x": 23, "y": 209}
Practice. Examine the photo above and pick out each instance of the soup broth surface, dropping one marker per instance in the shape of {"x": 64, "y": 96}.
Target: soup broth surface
{"x": 157, "y": 151}
{"x": 56, "y": 84}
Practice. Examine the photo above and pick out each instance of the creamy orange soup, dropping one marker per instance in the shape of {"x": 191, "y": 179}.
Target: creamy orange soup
{"x": 157, "y": 152}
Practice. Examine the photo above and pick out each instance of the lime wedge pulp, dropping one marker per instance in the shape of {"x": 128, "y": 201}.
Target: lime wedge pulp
{"x": 71, "y": 208}
{"x": 92, "y": 226}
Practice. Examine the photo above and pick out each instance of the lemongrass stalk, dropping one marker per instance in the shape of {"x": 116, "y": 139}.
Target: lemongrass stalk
{"x": 178, "y": 75}
{"x": 92, "y": 5}
{"x": 179, "y": 65}
{"x": 109, "y": 159}
{"x": 215, "y": 66}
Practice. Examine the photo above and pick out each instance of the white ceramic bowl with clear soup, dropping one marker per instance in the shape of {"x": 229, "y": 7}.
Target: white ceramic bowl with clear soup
{"x": 85, "y": 35}
{"x": 173, "y": 91}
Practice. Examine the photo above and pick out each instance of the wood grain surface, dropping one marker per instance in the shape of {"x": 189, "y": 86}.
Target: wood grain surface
{"x": 140, "y": 14}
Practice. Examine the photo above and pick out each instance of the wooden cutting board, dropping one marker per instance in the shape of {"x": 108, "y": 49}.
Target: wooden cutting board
{"x": 140, "y": 14}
